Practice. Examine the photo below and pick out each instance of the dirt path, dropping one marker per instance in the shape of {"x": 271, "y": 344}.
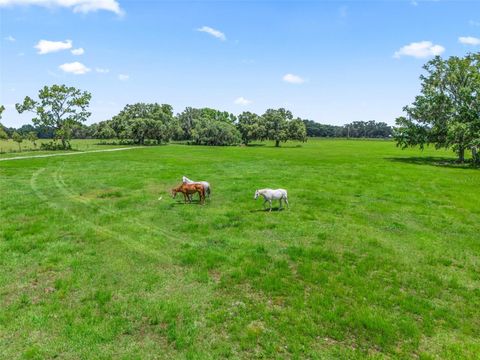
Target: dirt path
{"x": 67, "y": 154}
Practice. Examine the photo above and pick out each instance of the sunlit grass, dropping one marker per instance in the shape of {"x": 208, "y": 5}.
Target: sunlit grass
{"x": 378, "y": 255}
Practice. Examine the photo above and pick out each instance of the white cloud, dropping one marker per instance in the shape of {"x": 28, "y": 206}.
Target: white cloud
{"x": 102, "y": 71}
{"x": 74, "y": 68}
{"x": 10, "y": 38}
{"x": 78, "y": 51}
{"x": 45, "y": 46}
{"x": 293, "y": 79}
{"x": 242, "y": 101}
{"x": 78, "y": 6}
{"x": 469, "y": 40}
{"x": 216, "y": 33}
{"x": 123, "y": 77}
{"x": 422, "y": 49}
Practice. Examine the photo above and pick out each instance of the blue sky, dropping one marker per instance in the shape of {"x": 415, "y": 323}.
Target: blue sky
{"x": 330, "y": 61}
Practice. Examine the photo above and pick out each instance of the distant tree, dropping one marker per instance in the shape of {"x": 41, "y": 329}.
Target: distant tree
{"x": 447, "y": 112}
{"x": 215, "y": 132}
{"x": 25, "y": 129}
{"x": 81, "y": 131}
{"x": 281, "y": 127}
{"x": 3, "y": 134}
{"x": 139, "y": 130}
{"x": 59, "y": 107}
{"x": 251, "y": 127}
{"x": 297, "y": 130}
{"x": 18, "y": 139}
{"x": 103, "y": 130}
{"x": 276, "y": 124}
{"x": 315, "y": 129}
{"x": 190, "y": 118}
{"x": 32, "y": 137}
{"x": 145, "y": 121}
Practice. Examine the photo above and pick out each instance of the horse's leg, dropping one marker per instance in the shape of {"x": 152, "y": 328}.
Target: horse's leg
{"x": 280, "y": 201}
{"x": 286, "y": 202}
{"x": 270, "y": 201}
{"x": 264, "y": 202}
{"x": 184, "y": 198}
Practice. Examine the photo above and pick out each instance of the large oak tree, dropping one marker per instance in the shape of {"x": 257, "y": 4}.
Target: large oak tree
{"x": 59, "y": 107}
{"x": 447, "y": 111}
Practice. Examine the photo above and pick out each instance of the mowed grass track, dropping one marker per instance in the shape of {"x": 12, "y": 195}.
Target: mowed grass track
{"x": 377, "y": 257}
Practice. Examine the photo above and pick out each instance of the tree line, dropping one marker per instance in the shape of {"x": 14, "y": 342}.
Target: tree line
{"x": 358, "y": 129}
{"x": 60, "y": 113}
{"x": 144, "y": 123}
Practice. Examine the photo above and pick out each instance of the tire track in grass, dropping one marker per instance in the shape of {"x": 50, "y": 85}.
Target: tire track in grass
{"x": 60, "y": 183}
{"x": 136, "y": 246}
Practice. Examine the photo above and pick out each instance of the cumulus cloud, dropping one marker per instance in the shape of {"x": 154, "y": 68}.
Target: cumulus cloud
{"x": 74, "y": 68}
{"x": 216, "y": 33}
{"x": 78, "y": 6}
{"x": 10, "y": 38}
{"x": 102, "y": 71}
{"x": 242, "y": 101}
{"x": 45, "y": 46}
{"x": 293, "y": 79}
{"x": 422, "y": 49}
{"x": 78, "y": 51}
{"x": 123, "y": 77}
{"x": 469, "y": 40}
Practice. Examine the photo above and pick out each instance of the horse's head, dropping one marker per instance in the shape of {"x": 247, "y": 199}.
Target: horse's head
{"x": 256, "y": 194}
{"x": 174, "y": 192}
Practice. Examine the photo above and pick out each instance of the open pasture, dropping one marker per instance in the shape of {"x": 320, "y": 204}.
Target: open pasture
{"x": 377, "y": 257}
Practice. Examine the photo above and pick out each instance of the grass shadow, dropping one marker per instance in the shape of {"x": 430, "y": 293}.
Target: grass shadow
{"x": 433, "y": 161}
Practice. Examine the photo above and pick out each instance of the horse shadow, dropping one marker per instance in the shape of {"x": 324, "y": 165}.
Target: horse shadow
{"x": 274, "y": 209}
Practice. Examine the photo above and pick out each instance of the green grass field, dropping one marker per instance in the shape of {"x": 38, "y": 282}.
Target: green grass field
{"x": 377, "y": 257}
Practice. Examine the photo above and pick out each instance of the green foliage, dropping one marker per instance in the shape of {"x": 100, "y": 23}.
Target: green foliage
{"x": 32, "y": 137}
{"x": 252, "y": 127}
{"x": 297, "y": 130}
{"x": 447, "y": 112}
{"x": 103, "y": 130}
{"x": 214, "y": 132}
{"x": 190, "y": 120}
{"x": 140, "y": 122}
{"x": 18, "y": 139}
{"x": 3, "y": 133}
{"x": 59, "y": 107}
{"x": 280, "y": 126}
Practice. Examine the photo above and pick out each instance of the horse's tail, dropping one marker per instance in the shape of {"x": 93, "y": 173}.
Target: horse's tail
{"x": 208, "y": 191}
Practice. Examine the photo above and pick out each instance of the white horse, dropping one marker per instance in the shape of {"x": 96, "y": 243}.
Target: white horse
{"x": 269, "y": 195}
{"x": 205, "y": 184}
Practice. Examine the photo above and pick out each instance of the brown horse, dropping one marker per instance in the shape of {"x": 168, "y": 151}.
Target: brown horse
{"x": 190, "y": 189}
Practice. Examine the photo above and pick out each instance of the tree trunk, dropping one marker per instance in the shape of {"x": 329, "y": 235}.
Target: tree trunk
{"x": 64, "y": 143}
{"x": 475, "y": 156}
{"x": 461, "y": 154}
{"x": 277, "y": 143}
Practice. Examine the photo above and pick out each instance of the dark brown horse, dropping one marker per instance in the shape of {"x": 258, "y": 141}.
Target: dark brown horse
{"x": 190, "y": 189}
